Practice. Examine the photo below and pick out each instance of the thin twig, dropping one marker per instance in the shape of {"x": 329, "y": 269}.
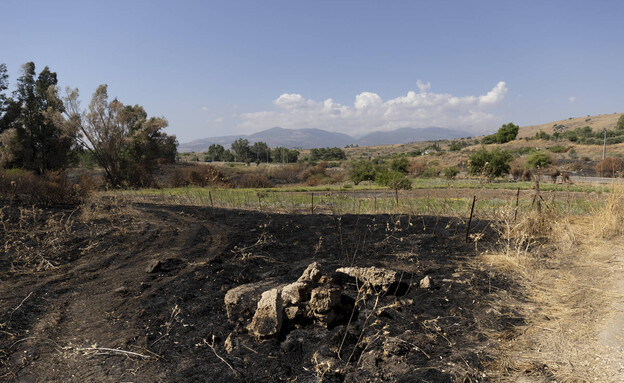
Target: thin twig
{"x": 113, "y": 350}
{"x": 235, "y": 371}
{"x": 20, "y": 305}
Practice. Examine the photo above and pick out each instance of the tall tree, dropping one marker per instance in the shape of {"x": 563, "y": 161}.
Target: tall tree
{"x": 127, "y": 144}
{"x": 39, "y": 138}
{"x": 241, "y": 149}
{"x": 261, "y": 151}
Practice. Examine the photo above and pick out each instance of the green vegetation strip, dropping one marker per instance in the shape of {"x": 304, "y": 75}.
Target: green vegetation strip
{"x": 359, "y": 202}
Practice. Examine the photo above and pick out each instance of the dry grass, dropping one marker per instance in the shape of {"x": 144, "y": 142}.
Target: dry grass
{"x": 566, "y": 265}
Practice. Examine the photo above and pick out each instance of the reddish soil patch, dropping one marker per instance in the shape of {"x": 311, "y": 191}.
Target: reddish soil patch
{"x": 77, "y": 303}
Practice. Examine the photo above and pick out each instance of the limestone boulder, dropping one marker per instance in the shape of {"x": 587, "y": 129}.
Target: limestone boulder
{"x": 267, "y": 321}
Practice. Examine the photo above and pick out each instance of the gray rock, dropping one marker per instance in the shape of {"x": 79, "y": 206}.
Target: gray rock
{"x": 324, "y": 298}
{"x": 426, "y": 283}
{"x": 312, "y": 273}
{"x": 241, "y": 301}
{"x": 292, "y": 312}
{"x": 295, "y": 293}
{"x": 267, "y": 321}
{"x": 374, "y": 276}
{"x": 154, "y": 266}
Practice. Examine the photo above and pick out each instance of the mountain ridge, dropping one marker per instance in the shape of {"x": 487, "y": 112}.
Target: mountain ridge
{"x": 319, "y": 138}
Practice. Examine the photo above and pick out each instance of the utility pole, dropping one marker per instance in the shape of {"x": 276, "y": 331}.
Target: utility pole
{"x": 604, "y": 146}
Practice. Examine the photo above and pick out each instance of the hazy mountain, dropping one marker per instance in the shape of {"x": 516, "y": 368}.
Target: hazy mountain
{"x": 318, "y": 138}
{"x": 405, "y": 135}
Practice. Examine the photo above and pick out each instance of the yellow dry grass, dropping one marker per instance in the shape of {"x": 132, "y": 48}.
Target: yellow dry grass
{"x": 571, "y": 269}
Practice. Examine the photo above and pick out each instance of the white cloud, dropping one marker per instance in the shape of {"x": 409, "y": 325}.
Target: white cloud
{"x": 423, "y": 86}
{"x": 219, "y": 119}
{"x": 572, "y": 99}
{"x": 204, "y": 108}
{"x": 369, "y": 112}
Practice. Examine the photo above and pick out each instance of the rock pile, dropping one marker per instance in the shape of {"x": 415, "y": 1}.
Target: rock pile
{"x": 314, "y": 298}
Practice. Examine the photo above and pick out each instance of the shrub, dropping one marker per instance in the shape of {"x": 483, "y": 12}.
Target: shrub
{"x": 417, "y": 167}
{"x": 393, "y": 179}
{"x": 362, "y": 170}
{"x": 527, "y": 175}
{"x": 557, "y": 149}
{"x": 450, "y": 172}
{"x": 516, "y": 173}
{"x": 572, "y": 154}
{"x": 199, "y": 175}
{"x": 537, "y": 160}
{"x": 430, "y": 172}
{"x": 553, "y": 174}
{"x": 53, "y": 188}
{"x": 253, "y": 180}
{"x": 400, "y": 164}
{"x": 609, "y": 167}
{"x": 492, "y": 164}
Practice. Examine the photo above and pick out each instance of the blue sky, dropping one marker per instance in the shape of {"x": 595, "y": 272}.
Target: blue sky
{"x": 236, "y": 67}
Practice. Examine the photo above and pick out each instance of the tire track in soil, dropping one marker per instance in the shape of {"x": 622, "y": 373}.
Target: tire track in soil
{"x": 93, "y": 292}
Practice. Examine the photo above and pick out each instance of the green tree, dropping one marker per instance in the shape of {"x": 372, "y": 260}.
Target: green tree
{"x": 507, "y": 132}
{"x": 215, "y": 152}
{"x": 492, "y": 164}
{"x": 393, "y": 179}
{"x": 261, "y": 152}
{"x": 362, "y": 170}
{"x": 537, "y": 160}
{"x": 450, "y": 172}
{"x": 125, "y": 143}
{"x": 38, "y": 137}
{"x": 400, "y": 164}
{"x": 241, "y": 150}
{"x": 620, "y": 123}
{"x": 284, "y": 155}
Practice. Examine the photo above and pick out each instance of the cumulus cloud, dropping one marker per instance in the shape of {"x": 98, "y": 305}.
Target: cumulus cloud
{"x": 370, "y": 112}
{"x": 572, "y": 99}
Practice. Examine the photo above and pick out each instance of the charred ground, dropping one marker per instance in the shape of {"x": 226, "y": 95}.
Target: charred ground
{"x": 78, "y": 303}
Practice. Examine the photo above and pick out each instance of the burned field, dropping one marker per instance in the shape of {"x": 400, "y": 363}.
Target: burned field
{"x": 121, "y": 291}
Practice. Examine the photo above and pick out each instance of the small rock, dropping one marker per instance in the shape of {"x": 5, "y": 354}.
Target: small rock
{"x": 374, "y": 276}
{"x": 324, "y": 298}
{"x": 292, "y": 312}
{"x": 426, "y": 283}
{"x": 241, "y": 301}
{"x": 311, "y": 274}
{"x": 121, "y": 290}
{"x": 154, "y": 266}
{"x": 267, "y": 320}
{"x": 295, "y": 293}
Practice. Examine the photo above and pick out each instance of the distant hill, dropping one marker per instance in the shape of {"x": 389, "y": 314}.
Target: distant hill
{"x": 318, "y": 138}
{"x": 405, "y": 135}
{"x": 597, "y": 122}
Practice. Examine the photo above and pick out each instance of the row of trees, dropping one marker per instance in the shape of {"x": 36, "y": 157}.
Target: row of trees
{"x": 42, "y": 131}
{"x": 259, "y": 152}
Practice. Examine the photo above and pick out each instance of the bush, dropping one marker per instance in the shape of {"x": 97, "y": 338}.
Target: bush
{"x": 572, "y": 154}
{"x": 362, "y": 170}
{"x": 609, "y": 167}
{"x": 199, "y": 175}
{"x": 430, "y": 172}
{"x": 537, "y": 160}
{"x": 557, "y": 149}
{"x": 400, "y": 164}
{"x": 553, "y": 174}
{"x": 450, "y": 172}
{"x": 53, "y": 188}
{"x": 393, "y": 179}
{"x": 516, "y": 173}
{"x": 491, "y": 164}
{"x": 416, "y": 168}
{"x": 254, "y": 180}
